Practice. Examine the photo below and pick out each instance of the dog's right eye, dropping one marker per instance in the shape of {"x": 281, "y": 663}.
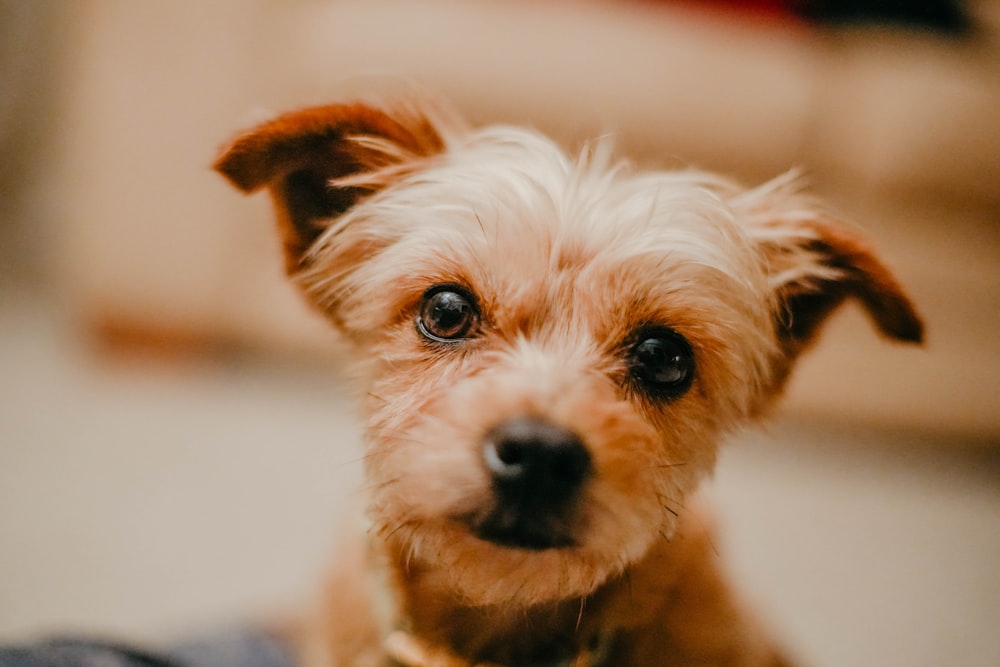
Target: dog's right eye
{"x": 448, "y": 313}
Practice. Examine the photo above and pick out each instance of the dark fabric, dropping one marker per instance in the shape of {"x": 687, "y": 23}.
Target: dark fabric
{"x": 80, "y": 653}
{"x": 244, "y": 648}
{"x": 241, "y": 648}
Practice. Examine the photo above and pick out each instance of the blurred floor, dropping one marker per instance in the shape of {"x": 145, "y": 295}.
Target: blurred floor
{"x": 152, "y": 501}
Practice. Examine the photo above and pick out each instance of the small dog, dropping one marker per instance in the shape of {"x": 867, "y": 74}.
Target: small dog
{"x": 552, "y": 347}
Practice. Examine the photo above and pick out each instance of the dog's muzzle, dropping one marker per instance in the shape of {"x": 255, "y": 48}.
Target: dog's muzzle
{"x": 537, "y": 470}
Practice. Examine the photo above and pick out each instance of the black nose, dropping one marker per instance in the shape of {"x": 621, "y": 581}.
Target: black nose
{"x": 536, "y": 463}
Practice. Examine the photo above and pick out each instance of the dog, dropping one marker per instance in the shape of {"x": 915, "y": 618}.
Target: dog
{"x": 551, "y": 347}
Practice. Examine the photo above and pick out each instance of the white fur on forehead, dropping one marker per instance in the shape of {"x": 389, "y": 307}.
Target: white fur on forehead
{"x": 514, "y": 185}
{"x": 510, "y": 195}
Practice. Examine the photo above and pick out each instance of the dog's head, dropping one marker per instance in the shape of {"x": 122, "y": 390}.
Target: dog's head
{"x": 553, "y": 345}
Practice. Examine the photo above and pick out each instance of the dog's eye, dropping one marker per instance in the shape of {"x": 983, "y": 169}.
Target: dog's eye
{"x": 662, "y": 362}
{"x": 447, "y": 313}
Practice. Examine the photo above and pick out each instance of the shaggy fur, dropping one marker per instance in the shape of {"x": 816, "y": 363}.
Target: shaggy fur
{"x": 568, "y": 264}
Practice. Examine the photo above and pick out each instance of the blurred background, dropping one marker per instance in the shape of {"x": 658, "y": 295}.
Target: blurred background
{"x": 176, "y": 447}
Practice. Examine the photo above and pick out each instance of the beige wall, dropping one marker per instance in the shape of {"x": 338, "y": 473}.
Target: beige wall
{"x": 900, "y": 130}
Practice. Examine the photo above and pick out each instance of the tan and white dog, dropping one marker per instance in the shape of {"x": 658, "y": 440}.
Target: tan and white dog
{"x": 551, "y": 347}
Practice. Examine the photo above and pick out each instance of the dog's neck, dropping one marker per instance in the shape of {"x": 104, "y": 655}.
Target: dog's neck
{"x": 671, "y": 607}
{"x": 426, "y": 624}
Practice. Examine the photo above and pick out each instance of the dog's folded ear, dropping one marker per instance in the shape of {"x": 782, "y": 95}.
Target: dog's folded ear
{"x": 834, "y": 264}
{"x": 814, "y": 264}
{"x": 318, "y": 162}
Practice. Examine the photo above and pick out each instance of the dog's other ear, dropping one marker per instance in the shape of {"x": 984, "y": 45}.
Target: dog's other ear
{"x": 314, "y": 162}
{"x": 814, "y": 264}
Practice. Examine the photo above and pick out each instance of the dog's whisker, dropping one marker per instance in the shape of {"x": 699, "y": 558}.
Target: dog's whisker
{"x": 665, "y": 502}
{"x": 482, "y": 227}
{"x": 666, "y": 505}
{"x": 391, "y": 533}
{"x": 354, "y": 461}
{"x": 666, "y": 497}
{"x": 411, "y": 551}
{"x": 711, "y": 543}
{"x": 373, "y": 486}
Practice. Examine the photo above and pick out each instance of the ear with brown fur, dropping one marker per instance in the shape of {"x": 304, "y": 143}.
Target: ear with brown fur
{"x": 306, "y": 158}
{"x": 815, "y": 264}
{"x": 845, "y": 266}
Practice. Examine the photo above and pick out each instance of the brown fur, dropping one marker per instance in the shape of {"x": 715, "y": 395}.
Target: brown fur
{"x": 568, "y": 262}
{"x": 299, "y": 153}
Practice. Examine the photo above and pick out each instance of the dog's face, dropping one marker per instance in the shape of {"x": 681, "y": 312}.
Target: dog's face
{"x": 553, "y": 346}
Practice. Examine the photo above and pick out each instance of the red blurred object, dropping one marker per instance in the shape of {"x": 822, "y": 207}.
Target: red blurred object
{"x": 782, "y": 9}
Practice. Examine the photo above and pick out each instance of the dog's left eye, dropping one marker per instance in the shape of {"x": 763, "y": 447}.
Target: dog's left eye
{"x": 662, "y": 362}
{"x": 448, "y": 313}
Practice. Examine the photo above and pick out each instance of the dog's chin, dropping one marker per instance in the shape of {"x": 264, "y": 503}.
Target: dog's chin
{"x": 515, "y": 569}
